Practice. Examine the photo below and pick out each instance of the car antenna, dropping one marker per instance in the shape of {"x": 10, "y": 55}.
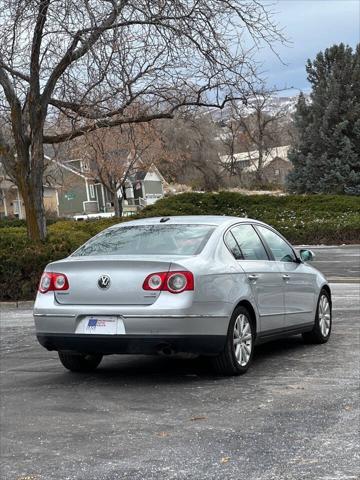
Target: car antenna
{"x": 164, "y": 219}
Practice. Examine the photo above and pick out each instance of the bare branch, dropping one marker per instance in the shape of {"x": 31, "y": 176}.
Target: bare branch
{"x": 15, "y": 73}
{"x": 36, "y": 46}
{"x": 9, "y": 90}
{"x": 72, "y": 54}
{"x": 104, "y": 124}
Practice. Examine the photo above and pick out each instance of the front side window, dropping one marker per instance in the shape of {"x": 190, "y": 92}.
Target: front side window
{"x": 280, "y": 249}
{"x": 249, "y": 243}
{"x": 148, "y": 240}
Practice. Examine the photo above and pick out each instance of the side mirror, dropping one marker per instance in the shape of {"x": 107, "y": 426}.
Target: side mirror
{"x": 307, "y": 255}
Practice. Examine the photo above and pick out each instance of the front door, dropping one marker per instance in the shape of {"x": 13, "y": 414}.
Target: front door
{"x": 300, "y": 301}
{"x": 298, "y": 280}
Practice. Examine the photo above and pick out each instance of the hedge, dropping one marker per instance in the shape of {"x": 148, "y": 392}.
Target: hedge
{"x": 311, "y": 219}
{"x": 323, "y": 219}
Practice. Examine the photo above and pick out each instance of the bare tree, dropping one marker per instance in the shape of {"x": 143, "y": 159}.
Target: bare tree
{"x": 231, "y": 141}
{"x": 94, "y": 60}
{"x": 257, "y": 127}
{"x": 114, "y": 154}
{"x": 204, "y": 152}
{"x": 192, "y": 152}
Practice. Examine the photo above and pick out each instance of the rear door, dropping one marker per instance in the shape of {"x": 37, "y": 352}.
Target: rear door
{"x": 298, "y": 279}
{"x": 263, "y": 276}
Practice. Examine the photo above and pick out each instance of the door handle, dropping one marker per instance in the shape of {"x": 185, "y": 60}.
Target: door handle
{"x": 285, "y": 276}
{"x": 253, "y": 276}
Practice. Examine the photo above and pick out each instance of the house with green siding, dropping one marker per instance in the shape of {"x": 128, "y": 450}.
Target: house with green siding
{"x": 79, "y": 193}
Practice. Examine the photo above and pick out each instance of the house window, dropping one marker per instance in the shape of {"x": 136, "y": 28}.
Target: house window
{"x": 16, "y": 207}
{"x": 91, "y": 190}
{"x": 277, "y": 172}
{"x": 244, "y": 163}
{"x": 85, "y": 167}
{"x": 48, "y": 193}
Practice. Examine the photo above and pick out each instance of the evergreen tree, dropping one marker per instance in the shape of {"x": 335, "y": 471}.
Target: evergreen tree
{"x": 326, "y": 151}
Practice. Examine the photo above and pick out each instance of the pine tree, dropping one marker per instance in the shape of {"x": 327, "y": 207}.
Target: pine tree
{"x": 326, "y": 152}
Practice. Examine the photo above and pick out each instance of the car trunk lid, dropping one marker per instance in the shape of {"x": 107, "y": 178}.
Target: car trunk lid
{"x": 108, "y": 281}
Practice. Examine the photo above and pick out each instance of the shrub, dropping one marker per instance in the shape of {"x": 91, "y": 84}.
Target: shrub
{"x": 22, "y": 262}
{"x": 326, "y": 219}
{"x": 12, "y": 222}
{"x": 301, "y": 218}
{"x": 17, "y": 222}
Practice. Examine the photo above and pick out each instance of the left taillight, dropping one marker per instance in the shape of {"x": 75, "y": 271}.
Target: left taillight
{"x": 51, "y": 281}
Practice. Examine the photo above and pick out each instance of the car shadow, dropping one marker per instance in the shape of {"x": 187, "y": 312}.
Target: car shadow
{"x": 146, "y": 369}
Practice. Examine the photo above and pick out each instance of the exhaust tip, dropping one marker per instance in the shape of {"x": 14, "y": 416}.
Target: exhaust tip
{"x": 165, "y": 349}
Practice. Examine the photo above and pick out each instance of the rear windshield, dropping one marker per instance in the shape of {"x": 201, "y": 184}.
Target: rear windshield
{"x": 148, "y": 240}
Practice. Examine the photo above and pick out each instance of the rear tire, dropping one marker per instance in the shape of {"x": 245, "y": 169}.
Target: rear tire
{"x": 323, "y": 321}
{"x": 237, "y": 355}
{"x": 80, "y": 362}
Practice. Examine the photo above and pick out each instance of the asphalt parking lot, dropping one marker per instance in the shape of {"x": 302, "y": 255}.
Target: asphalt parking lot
{"x": 293, "y": 416}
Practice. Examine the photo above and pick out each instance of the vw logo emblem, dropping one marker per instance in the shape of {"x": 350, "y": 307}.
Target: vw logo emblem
{"x": 104, "y": 282}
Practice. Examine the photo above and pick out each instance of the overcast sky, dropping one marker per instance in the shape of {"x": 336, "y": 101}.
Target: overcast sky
{"x": 311, "y": 25}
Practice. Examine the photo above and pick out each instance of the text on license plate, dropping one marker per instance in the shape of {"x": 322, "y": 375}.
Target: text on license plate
{"x": 101, "y": 326}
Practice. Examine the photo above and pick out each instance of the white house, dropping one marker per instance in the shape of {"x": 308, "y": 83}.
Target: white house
{"x": 276, "y": 164}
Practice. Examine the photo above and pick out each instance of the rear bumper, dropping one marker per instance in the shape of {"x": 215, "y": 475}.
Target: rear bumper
{"x": 153, "y": 324}
{"x": 133, "y": 344}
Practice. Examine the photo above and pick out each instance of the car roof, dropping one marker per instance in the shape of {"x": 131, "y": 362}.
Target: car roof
{"x": 189, "y": 219}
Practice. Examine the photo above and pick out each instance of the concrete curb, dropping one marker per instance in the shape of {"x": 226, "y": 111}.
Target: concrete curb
{"x": 343, "y": 280}
{"x": 323, "y": 245}
{"x": 21, "y": 304}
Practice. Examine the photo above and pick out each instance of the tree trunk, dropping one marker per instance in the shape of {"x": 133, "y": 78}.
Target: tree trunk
{"x": 31, "y": 189}
{"x": 28, "y": 170}
{"x": 259, "y": 177}
{"x": 259, "y": 170}
{"x": 117, "y": 205}
{"x": 34, "y": 210}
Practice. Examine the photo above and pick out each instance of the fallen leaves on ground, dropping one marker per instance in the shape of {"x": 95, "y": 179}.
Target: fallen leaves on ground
{"x": 200, "y": 417}
{"x": 28, "y": 477}
{"x": 224, "y": 459}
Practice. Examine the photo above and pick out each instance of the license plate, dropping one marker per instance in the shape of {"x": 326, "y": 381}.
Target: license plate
{"x": 100, "y": 325}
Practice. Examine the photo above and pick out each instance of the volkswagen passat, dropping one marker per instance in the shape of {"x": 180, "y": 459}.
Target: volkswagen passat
{"x": 209, "y": 285}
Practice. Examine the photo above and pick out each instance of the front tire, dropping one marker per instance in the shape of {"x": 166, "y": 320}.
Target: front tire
{"x": 237, "y": 355}
{"x": 80, "y": 362}
{"x": 323, "y": 321}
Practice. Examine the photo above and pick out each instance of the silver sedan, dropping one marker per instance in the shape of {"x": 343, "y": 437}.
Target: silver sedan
{"x": 206, "y": 285}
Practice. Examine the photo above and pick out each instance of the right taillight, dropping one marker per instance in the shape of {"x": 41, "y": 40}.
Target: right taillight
{"x": 51, "y": 281}
{"x": 174, "y": 282}
{"x": 177, "y": 282}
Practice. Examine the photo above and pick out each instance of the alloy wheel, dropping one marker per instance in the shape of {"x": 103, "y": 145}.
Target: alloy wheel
{"x": 324, "y": 315}
{"x": 242, "y": 340}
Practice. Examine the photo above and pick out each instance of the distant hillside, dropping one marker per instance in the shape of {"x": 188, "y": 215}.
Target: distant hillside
{"x": 276, "y": 103}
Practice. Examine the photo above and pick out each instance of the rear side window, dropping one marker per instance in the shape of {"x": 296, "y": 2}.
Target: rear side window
{"x": 148, "y": 240}
{"x": 249, "y": 243}
{"x": 233, "y": 246}
{"x": 279, "y": 248}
